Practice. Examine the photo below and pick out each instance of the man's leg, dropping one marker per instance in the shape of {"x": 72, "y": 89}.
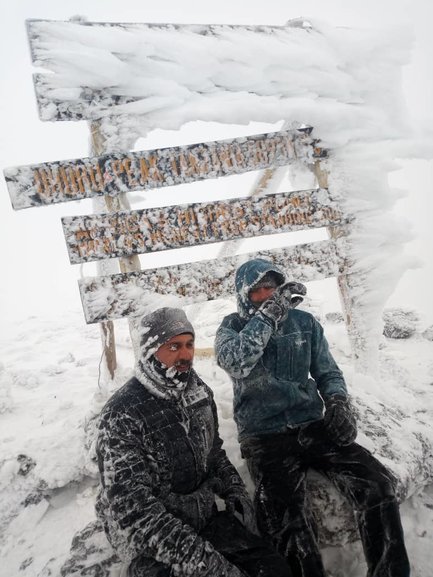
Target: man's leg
{"x": 277, "y": 469}
{"x": 370, "y": 487}
{"x": 247, "y": 551}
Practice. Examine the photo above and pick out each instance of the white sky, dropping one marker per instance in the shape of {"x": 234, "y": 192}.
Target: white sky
{"x": 37, "y": 277}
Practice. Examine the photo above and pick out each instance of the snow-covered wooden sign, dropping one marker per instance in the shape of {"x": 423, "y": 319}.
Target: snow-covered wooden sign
{"x": 146, "y": 68}
{"x": 112, "y": 174}
{"x": 115, "y": 296}
{"x": 121, "y": 234}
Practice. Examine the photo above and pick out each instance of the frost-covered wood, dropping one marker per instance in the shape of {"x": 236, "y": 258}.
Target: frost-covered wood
{"x": 115, "y": 296}
{"x": 112, "y": 174}
{"x": 124, "y": 233}
{"x": 235, "y": 57}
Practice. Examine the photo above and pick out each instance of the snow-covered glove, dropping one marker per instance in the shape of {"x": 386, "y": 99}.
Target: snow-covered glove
{"x": 339, "y": 420}
{"x": 194, "y": 508}
{"x": 239, "y": 504}
{"x": 273, "y": 309}
{"x": 291, "y": 293}
{"x": 285, "y": 297}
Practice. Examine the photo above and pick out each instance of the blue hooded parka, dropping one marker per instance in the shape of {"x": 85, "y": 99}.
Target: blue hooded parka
{"x": 280, "y": 374}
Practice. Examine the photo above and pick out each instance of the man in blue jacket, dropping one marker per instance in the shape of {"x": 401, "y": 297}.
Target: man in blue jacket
{"x": 293, "y": 413}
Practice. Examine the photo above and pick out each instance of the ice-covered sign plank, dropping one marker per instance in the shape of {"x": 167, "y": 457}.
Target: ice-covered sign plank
{"x": 116, "y": 296}
{"x": 112, "y": 174}
{"x": 145, "y": 68}
{"x": 125, "y": 233}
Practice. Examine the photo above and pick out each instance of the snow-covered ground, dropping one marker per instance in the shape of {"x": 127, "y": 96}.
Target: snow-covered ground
{"x": 51, "y": 386}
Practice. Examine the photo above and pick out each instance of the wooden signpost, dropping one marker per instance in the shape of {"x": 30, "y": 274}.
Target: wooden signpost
{"x": 113, "y": 174}
{"x": 155, "y": 51}
{"x": 125, "y": 233}
{"x": 115, "y": 170}
{"x": 116, "y": 296}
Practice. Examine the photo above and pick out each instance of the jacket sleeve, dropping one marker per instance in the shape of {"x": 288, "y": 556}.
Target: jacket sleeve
{"x": 324, "y": 369}
{"x": 136, "y": 520}
{"x": 238, "y": 351}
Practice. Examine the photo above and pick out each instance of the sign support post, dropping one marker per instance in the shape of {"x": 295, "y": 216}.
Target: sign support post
{"x": 127, "y": 264}
{"x": 357, "y": 340}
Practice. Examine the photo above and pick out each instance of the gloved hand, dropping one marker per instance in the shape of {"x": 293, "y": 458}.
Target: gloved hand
{"x": 291, "y": 293}
{"x": 273, "y": 308}
{"x": 239, "y": 504}
{"x": 339, "y": 420}
{"x": 285, "y": 297}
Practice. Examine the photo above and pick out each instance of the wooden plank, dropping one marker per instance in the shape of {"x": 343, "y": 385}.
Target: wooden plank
{"x": 113, "y": 174}
{"x": 120, "y": 295}
{"x": 66, "y": 94}
{"x": 126, "y": 233}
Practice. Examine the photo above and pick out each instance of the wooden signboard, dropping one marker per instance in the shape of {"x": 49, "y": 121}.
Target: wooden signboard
{"x": 116, "y": 296}
{"x": 125, "y": 233}
{"x": 112, "y": 174}
{"x": 159, "y": 56}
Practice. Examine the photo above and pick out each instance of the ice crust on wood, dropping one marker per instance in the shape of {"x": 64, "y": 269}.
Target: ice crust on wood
{"x": 134, "y": 293}
{"x": 100, "y": 236}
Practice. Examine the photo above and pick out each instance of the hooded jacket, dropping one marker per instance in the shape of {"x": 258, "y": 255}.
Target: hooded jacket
{"x": 161, "y": 464}
{"x": 271, "y": 368}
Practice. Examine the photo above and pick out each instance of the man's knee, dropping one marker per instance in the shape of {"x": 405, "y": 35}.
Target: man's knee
{"x": 375, "y": 491}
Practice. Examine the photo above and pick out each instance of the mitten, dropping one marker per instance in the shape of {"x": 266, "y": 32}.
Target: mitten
{"x": 285, "y": 297}
{"x": 290, "y": 293}
{"x": 339, "y": 420}
{"x": 239, "y": 504}
{"x": 274, "y": 308}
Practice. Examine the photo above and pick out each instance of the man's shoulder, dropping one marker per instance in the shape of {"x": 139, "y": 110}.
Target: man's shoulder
{"x": 233, "y": 320}
{"x": 303, "y": 317}
{"x": 299, "y": 320}
{"x": 199, "y": 390}
{"x": 128, "y": 401}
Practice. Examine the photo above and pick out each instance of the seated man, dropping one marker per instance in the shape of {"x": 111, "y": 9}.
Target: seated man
{"x": 271, "y": 351}
{"x": 162, "y": 464}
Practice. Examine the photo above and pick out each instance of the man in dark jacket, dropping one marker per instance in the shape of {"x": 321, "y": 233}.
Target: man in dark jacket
{"x": 162, "y": 465}
{"x": 293, "y": 413}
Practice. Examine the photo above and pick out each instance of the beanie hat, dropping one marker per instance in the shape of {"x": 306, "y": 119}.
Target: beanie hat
{"x": 156, "y": 329}
{"x": 160, "y": 326}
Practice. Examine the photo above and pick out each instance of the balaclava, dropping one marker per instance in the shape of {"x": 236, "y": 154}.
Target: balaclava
{"x": 156, "y": 329}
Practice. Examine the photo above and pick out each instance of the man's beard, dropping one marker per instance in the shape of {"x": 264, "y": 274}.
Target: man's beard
{"x": 172, "y": 373}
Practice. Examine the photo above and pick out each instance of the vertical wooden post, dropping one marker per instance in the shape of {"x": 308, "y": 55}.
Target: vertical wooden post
{"x": 128, "y": 264}
{"x": 356, "y": 337}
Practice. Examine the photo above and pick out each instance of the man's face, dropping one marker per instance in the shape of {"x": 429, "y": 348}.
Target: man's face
{"x": 260, "y": 295}
{"x": 177, "y": 352}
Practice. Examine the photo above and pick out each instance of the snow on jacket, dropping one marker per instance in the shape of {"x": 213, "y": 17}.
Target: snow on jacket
{"x": 271, "y": 369}
{"x": 161, "y": 462}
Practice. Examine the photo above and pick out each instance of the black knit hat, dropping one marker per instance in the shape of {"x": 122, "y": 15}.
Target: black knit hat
{"x": 160, "y": 326}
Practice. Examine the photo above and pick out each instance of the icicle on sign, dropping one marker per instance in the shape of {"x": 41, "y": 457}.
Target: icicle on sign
{"x": 62, "y": 181}
{"x": 124, "y": 233}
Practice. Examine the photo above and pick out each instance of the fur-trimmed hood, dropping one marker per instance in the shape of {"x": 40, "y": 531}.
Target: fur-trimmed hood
{"x": 249, "y": 274}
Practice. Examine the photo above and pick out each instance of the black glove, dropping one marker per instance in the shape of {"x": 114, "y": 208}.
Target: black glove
{"x": 291, "y": 293}
{"x": 285, "y": 297}
{"x": 273, "y": 308}
{"x": 239, "y": 504}
{"x": 339, "y": 420}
